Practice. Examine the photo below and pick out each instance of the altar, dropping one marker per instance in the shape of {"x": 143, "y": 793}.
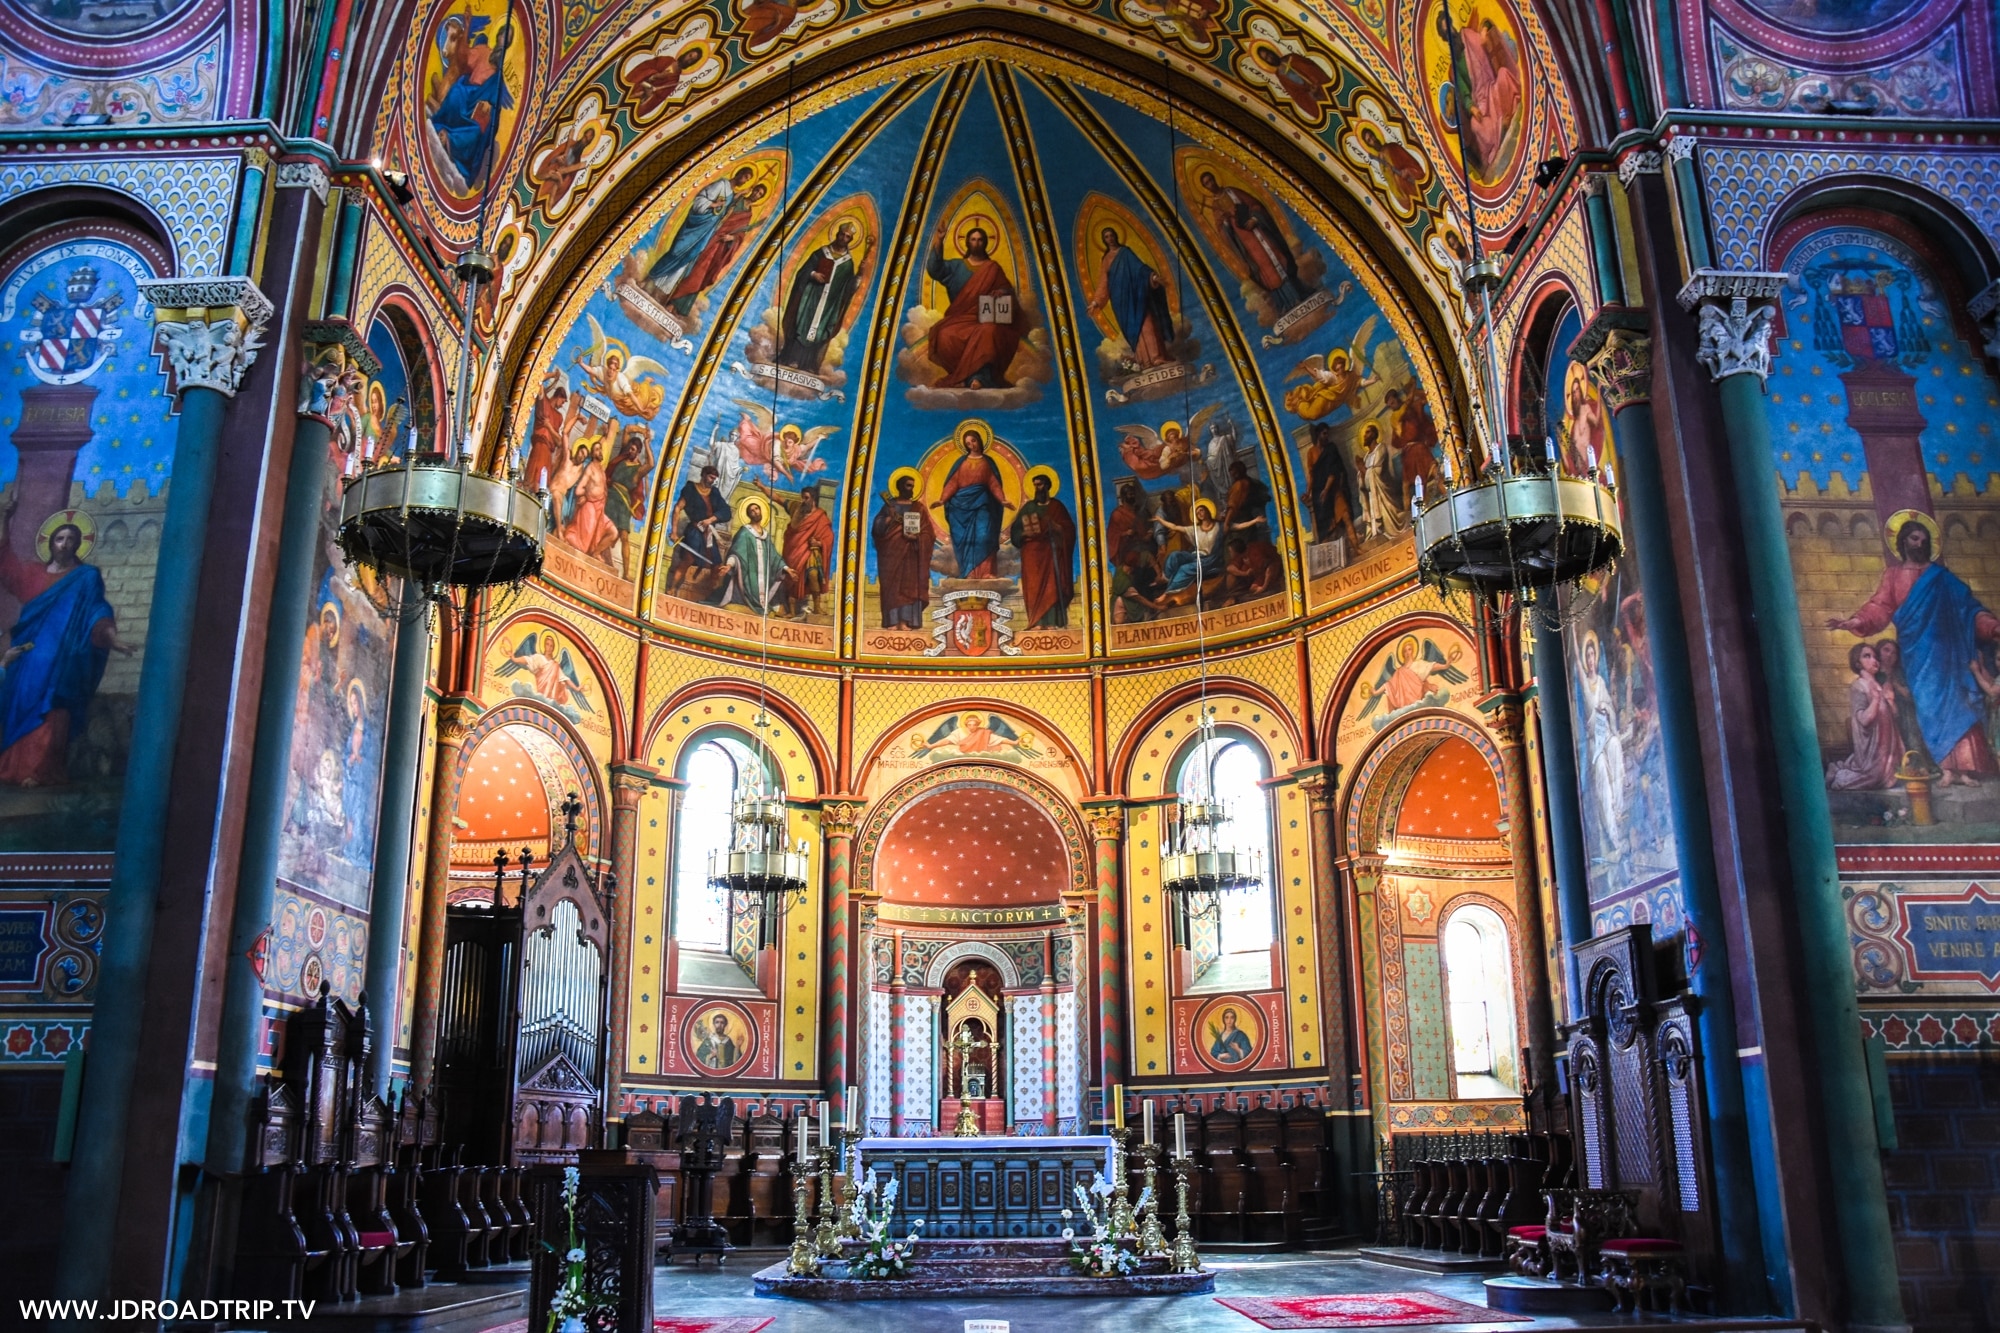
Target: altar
{"x": 987, "y": 1186}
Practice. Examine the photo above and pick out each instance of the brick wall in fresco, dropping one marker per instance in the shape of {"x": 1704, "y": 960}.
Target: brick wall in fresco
{"x": 1944, "y": 1190}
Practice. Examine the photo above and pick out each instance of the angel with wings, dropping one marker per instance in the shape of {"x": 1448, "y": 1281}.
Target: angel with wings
{"x": 1332, "y": 380}
{"x": 553, "y": 680}
{"x": 622, "y": 377}
{"x": 975, "y": 734}
{"x": 1409, "y": 677}
{"x": 1151, "y": 454}
{"x": 786, "y": 453}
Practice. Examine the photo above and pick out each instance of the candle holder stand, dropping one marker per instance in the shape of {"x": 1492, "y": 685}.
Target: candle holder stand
{"x": 846, "y": 1228}
{"x": 826, "y": 1236}
{"x": 1123, "y": 1223}
{"x": 1184, "y": 1259}
{"x": 1152, "y": 1243}
{"x": 804, "y": 1260}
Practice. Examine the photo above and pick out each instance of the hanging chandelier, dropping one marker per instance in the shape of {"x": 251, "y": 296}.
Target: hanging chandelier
{"x": 1512, "y": 527}
{"x": 761, "y": 871}
{"x": 436, "y": 519}
{"x": 1197, "y": 864}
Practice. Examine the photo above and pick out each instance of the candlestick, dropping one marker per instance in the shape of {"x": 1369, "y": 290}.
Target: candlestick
{"x": 804, "y": 1261}
{"x": 1118, "y": 1112}
{"x": 826, "y": 1236}
{"x": 1184, "y": 1260}
{"x": 1146, "y": 1115}
{"x": 1151, "y": 1242}
{"x": 1122, "y": 1222}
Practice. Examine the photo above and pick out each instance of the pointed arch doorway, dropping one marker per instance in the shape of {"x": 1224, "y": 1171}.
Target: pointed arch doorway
{"x": 973, "y": 877}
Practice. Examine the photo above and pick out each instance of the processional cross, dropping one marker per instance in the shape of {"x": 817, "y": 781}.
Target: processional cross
{"x": 965, "y": 1044}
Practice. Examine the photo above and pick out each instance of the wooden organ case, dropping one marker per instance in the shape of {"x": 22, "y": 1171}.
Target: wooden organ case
{"x": 522, "y": 1031}
{"x": 1636, "y": 1094}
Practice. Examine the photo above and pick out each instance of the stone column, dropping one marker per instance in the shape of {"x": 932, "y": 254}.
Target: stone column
{"x": 896, "y": 1038}
{"x": 455, "y": 716}
{"x": 1107, "y": 829}
{"x": 1533, "y": 912}
{"x": 1049, "y": 1033}
{"x": 1336, "y": 1021}
{"x": 389, "y": 903}
{"x": 1621, "y": 364}
{"x": 629, "y": 783}
{"x": 1736, "y": 311}
{"x": 838, "y": 821}
{"x": 1571, "y": 869}
{"x": 209, "y": 332}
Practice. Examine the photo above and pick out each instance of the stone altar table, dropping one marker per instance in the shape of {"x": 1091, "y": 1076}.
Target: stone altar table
{"x": 978, "y": 1187}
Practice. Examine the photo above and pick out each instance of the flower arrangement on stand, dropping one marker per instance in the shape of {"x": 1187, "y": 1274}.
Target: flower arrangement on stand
{"x": 570, "y": 1303}
{"x": 1098, "y": 1254}
{"x": 871, "y": 1212}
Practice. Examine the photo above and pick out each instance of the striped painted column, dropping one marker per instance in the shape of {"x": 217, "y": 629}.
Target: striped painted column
{"x": 1048, "y": 1054}
{"x": 455, "y": 717}
{"x": 836, "y": 824}
{"x": 897, "y": 1039}
{"x": 1107, "y": 827}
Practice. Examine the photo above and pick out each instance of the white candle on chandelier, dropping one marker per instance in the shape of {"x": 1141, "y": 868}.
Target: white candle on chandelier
{"x": 542, "y": 482}
{"x": 1550, "y": 442}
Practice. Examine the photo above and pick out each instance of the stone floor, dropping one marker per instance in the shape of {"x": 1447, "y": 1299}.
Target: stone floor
{"x": 682, "y": 1290}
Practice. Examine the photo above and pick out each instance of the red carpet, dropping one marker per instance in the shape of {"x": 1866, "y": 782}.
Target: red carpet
{"x": 1378, "y": 1309}
{"x": 743, "y": 1323}
{"x": 734, "y": 1324}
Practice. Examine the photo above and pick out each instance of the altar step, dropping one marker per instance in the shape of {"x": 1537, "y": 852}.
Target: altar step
{"x": 987, "y": 1268}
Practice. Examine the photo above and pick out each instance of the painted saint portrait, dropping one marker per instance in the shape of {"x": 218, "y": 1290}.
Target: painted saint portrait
{"x": 1229, "y": 1033}
{"x": 975, "y": 734}
{"x": 1132, "y": 294}
{"x": 472, "y": 76}
{"x": 1418, "y": 672}
{"x": 664, "y": 285}
{"x": 1278, "y": 274}
{"x": 799, "y": 347}
{"x": 720, "y": 1038}
{"x": 541, "y": 668}
{"x": 1473, "y": 58}
{"x": 974, "y": 339}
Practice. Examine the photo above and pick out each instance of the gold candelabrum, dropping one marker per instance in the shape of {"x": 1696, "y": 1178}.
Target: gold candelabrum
{"x": 968, "y": 1126}
{"x": 1123, "y": 1222}
{"x": 826, "y": 1236}
{"x": 1152, "y": 1243}
{"x": 849, "y": 1135}
{"x": 1184, "y": 1258}
{"x": 804, "y": 1261}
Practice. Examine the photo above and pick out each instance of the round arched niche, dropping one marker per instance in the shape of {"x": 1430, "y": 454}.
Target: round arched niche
{"x": 972, "y": 844}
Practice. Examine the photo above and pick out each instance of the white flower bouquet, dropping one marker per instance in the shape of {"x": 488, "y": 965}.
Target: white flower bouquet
{"x": 1097, "y": 1254}
{"x": 881, "y": 1255}
{"x": 570, "y": 1303}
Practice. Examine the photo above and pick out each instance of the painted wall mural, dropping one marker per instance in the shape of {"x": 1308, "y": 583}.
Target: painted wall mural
{"x": 1931, "y": 58}
{"x": 88, "y": 454}
{"x": 333, "y": 780}
{"x": 1628, "y": 835}
{"x": 1883, "y": 418}
{"x": 1060, "y": 447}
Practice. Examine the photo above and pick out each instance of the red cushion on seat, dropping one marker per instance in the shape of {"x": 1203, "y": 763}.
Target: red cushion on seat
{"x": 377, "y": 1240}
{"x": 1528, "y": 1233}
{"x": 1640, "y": 1245}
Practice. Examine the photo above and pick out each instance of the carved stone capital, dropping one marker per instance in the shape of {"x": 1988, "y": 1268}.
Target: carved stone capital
{"x": 1714, "y": 284}
{"x": 1593, "y": 185}
{"x": 304, "y": 175}
{"x": 455, "y": 718}
{"x": 1506, "y": 720}
{"x": 630, "y": 783}
{"x": 207, "y": 331}
{"x": 1680, "y": 148}
{"x": 329, "y": 350}
{"x": 1623, "y": 370}
{"x": 1320, "y": 790}
{"x": 1107, "y": 822}
{"x": 840, "y": 819}
{"x": 1634, "y": 165}
{"x": 1736, "y": 340}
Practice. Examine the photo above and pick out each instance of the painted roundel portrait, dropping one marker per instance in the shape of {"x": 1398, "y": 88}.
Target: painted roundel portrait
{"x": 474, "y": 66}
{"x": 103, "y": 18}
{"x": 1229, "y": 1034}
{"x": 1475, "y": 61}
{"x": 720, "y": 1038}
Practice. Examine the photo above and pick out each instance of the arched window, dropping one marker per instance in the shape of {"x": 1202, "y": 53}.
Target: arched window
{"x": 1479, "y": 985}
{"x": 1235, "y": 950}
{"x": 716, "y": 772}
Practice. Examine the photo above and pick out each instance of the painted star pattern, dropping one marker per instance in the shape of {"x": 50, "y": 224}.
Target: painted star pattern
{"x": 1452, "y": 796}
{"x": 972, "y": 847}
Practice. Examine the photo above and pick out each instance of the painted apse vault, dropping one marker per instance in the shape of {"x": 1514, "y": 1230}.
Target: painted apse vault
{"x": 1093, "y": 403}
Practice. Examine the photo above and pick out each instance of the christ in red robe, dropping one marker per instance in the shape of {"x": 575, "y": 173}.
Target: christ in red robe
{"x": 975, "y": 341}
